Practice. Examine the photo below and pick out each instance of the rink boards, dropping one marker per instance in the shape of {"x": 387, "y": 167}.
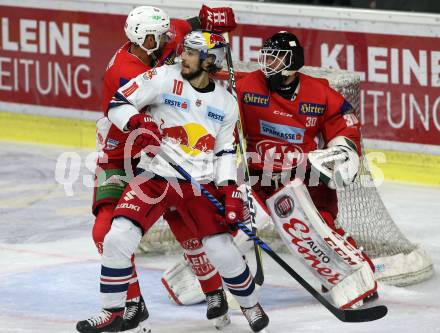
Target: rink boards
{"x": 53, "y": 53}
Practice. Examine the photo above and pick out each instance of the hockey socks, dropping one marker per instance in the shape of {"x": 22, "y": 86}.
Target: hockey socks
{"x": 242, "y": 287}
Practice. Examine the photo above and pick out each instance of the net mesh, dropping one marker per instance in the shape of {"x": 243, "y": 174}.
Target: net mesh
{"x": 362, "y": 212}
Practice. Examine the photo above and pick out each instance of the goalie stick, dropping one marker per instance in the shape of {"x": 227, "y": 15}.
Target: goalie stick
{"x": 259, "y": 274}
{"x": 350, "y": 316}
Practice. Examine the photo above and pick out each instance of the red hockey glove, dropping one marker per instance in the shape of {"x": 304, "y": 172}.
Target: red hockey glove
{"x": 233, "y": 202}
{"x": 217, "y": 20}
{"x": 149, "y": 135}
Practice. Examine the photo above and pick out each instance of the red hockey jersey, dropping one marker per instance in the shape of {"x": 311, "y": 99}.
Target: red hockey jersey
{"x": 122, "y": 68}
{"x": 279, "y": 131}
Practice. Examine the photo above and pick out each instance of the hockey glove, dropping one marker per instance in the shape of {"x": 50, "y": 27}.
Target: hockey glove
{"x": 218, "y": 20}
{"x": 337, "y": 165}
{"x": 233, "y": 203}
{"x": 148, "y": 138}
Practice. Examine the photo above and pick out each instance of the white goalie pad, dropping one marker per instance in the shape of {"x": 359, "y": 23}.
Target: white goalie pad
{"x": 338, "y": 265}
{"x": 182, "y": 284}
{"x": 261, "y": 217}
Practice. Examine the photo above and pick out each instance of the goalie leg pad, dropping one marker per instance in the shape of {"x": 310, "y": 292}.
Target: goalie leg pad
{"x": 182, "y": 284}
{"x": 352, "y": 286}
{"x": 261, "y": 217}
{"x": 194, "y": 254}
{"x": 322, "y": 250}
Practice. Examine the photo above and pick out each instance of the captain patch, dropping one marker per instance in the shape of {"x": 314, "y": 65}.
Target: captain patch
{"x": 282, "y": 132}
{"x": 311, "y": 109}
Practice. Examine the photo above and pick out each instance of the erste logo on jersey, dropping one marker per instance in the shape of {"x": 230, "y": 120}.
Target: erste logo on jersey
{"x": 312, "y": 109}
{"x": 278, "y": 155}
{"x": 287, "y": 133}
{"x": 178, "y": 103}
{"x": 255, "y": 99}
{"x": 111, "y": 144}
{"x": 215, "y": 114}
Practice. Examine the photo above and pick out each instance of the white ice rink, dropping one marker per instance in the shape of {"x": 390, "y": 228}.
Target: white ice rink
{"x": 49, "y": 268}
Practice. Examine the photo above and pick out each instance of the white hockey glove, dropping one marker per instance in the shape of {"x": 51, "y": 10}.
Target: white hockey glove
{"x": 338, "y": 165}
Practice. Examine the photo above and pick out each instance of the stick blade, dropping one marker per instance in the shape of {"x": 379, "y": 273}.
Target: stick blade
{"x": 363, "y": 315}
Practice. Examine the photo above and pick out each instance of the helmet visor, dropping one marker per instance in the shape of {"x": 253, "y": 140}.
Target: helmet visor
{"x": 273, "y": 61}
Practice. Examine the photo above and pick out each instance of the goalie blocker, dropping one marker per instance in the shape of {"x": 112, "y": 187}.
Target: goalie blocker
{"x": 338, "y": 265}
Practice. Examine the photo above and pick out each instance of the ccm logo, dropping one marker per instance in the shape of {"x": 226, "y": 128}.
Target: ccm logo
{"x": 281, "y": 113}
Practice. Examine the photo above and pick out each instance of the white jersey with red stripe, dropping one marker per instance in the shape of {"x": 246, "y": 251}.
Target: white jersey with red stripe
{"x": 197, "y": 127}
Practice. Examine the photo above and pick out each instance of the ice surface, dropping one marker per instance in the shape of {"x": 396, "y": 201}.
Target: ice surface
{"x": 49, "y": 268}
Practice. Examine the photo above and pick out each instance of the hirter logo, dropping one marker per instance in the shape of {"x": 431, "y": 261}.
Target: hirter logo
{"x": 312, "y": 109}
{"x": 131, "y": 89}
{"x": 284, "y": 206}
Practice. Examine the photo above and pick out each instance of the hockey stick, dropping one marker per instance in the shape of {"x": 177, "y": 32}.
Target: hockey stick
{"x": 259, "y": 274}
{"x": 358, "y": 315}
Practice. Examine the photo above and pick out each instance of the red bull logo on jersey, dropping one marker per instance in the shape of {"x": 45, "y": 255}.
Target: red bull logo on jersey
{"x": 178, "y": 103}
{"x": 255, "y": 99}
{"x": 311, "y": 109}
{"x": 283, "y": 132}
{"x": 192, "y": 138}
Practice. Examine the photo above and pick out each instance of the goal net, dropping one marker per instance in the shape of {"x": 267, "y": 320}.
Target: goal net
{"x": 362, "y": 212}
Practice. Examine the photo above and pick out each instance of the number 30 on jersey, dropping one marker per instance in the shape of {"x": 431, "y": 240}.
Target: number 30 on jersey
{"x": 350, "y": 119}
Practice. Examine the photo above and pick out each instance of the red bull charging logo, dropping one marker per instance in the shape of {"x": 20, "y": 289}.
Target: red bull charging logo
{"x": 213, "y": 40}
{"x": 192, "y": 138}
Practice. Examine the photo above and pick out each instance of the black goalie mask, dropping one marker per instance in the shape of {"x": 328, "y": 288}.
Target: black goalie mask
{"x": 280, "y": 56}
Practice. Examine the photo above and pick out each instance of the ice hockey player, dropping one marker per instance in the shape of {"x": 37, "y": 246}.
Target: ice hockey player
{"x": 286, "y": 116}
{"x": 152, "y": 41}
{"x": 196, "y": 118}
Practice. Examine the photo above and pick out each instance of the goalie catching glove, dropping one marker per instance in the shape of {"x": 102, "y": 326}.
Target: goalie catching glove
{"x": 338, "y": 165}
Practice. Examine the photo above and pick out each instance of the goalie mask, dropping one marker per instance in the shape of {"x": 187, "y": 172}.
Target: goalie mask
{"x": 146, "y": 20}
{"x": 280, "y": 57}
{"x": 209, "y": 45}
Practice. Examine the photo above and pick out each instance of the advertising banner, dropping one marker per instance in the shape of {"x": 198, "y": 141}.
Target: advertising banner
{"x": 400, "y": 76}
{"x": 56, "y": 58}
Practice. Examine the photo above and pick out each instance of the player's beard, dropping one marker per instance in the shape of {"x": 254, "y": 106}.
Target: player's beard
{"x": 193, "y": 75}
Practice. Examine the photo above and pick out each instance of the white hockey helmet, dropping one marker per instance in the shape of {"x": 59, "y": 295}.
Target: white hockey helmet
{"x": 146, "y": 20}
{"x": 208, "y": 44}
